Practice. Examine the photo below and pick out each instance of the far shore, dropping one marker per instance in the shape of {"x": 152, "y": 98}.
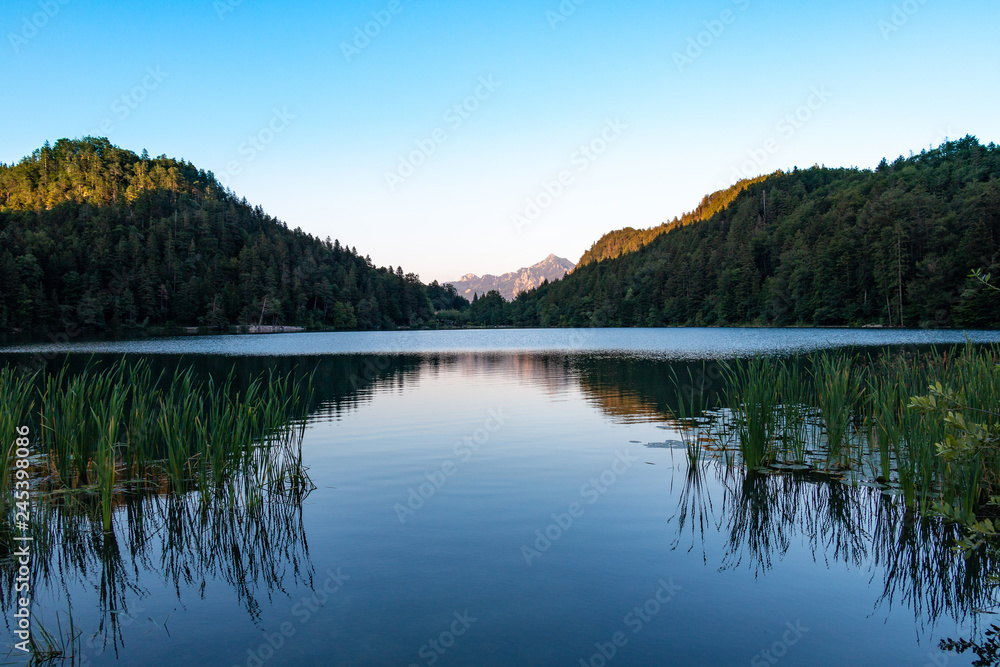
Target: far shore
{"x": 19, "y": 337}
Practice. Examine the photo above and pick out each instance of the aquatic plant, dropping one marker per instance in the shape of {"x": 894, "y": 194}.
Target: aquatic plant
{"x": 753, "y": 394}
{"x": 118, "y": 430}
{"x": 970, "y": 450}
{"x": 795, "y": 392}
{"x": 108, "y": 417}
{"x": 205, "y": 476}
{"x": 854, "y": 415}
{"x": 16, "y": 403}
{"x": 838, "y": 391}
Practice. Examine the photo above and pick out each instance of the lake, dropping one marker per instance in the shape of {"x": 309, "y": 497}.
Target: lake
{"x": 510, "y": 497}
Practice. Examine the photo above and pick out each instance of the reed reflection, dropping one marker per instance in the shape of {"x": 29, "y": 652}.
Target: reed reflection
{"x": 165, "y": 542}
{"x": 914, "y": 561}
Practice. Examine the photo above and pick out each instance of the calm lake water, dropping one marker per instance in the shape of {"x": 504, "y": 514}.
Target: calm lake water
{"x": 513, "y": 498}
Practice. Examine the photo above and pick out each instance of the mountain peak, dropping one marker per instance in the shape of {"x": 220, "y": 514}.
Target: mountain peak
{"x": 513, "y": 283}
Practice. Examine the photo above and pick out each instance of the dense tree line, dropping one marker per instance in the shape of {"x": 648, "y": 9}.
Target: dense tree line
{"x": 891, "y": 246}
{"x": 96, "y": 237}
{"x": 445, "y": 297}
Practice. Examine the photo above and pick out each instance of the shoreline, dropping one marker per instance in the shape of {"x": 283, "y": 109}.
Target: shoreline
{"x": 20, "y": 338}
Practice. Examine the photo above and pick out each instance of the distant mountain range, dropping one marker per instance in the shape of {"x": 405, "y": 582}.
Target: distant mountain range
{"x": 511, "y": 284}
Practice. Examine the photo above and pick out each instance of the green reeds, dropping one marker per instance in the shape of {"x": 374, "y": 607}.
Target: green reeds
{"x": 838, "y": 391}
{"x": 795, "y": 391}
{"x": 118, "y": 430}
{"x": 16, "y": 402}
{"x": 68, "y": 432}
{"x": 753, "y": 393}
{"x": 108, "y": 417}
{"x": 45, "y": 647}
{"x": 180, "y": 425}
{"x": 852, "y": 412}
{"x": 144, "y": 439}
{"x": 885, "y": 425}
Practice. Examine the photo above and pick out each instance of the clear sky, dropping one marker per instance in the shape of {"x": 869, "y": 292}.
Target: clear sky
{"x": 638, "y": 108}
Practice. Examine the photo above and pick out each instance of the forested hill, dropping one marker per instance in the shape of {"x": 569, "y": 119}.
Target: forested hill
{"x": 96, "y": 237}
{"x": 623, "y": 241}
{"x": 893, "y": 246}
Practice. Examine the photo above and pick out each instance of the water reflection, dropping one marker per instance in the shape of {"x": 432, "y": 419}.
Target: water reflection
{"x": 260, "y": 553}
{"x": 764, "y": 515}
{"x": 625, "y": 388}
{"x": 178, "y": 543}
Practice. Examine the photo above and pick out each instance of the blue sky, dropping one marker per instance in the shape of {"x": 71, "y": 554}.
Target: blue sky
{"x": 572, "y": 119}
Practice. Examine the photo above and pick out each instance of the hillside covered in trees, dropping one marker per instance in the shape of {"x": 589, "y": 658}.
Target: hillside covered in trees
{"x": 623, "y": 241}
{"x": 893, "y": 246}
{"x": 96, "y": 237}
